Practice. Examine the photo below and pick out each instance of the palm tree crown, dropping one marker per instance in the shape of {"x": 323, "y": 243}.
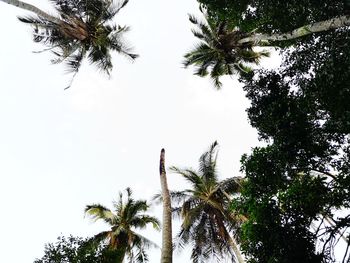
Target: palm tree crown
{"x": 128, "y": 215}
{"x": 206, "y": 220}
{"x": 82, "y": 29}
{"x": 219, "y": 52}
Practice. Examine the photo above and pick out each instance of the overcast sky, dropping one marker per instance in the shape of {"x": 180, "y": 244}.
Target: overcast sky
{"x": 63, "y": 149}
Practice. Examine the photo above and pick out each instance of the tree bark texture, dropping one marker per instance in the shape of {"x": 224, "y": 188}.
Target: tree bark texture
{"x": 167, "y": 243}
{"x": 321, "y": 26}
{"x": 33, "y": 9}
{"x": 235, "y": 248}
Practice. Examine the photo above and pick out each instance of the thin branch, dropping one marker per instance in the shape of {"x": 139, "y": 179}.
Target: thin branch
{"x": 332, "y": 222}
{"x": 325, "y": 173}
{"x": 47, "y": 49}
{"x": 346, "y": 252}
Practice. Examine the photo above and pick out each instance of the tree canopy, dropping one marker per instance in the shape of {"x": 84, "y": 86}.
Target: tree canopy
{"x": 274, "y": 15}
{"x": 73, "y": 249}
{"x": 297, "y": 188}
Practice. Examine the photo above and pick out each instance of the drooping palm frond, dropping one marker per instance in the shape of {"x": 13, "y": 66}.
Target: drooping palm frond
{"x": 99, "y": 212}
{"x": 141, "y": 244}
{"x": 231, "y": 185}
{"x": 189, "y": 174}
{"x": 113, "y": 9}
{"x": 206, "y": 30}
{"x": 101, "y": 237}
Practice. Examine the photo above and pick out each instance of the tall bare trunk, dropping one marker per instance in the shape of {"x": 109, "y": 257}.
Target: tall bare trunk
{"x": 33, "y": 9}
{"x": 321, "y": 26}
{"x": 235, "y": 248}
{"x": 167, "y": 243}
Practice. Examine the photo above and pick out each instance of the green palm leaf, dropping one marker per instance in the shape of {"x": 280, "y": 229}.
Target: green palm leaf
{"x": 99, "y": 212}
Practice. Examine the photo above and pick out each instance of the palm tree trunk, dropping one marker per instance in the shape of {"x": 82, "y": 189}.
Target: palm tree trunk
{"x": 235, "y": 248}
{"x": 167, "y": 244}
{"x": 321, "y": 26}
{"x": 33, "y": 9}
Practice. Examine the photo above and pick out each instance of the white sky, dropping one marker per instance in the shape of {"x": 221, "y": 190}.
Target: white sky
{"x": 63, "y": 149}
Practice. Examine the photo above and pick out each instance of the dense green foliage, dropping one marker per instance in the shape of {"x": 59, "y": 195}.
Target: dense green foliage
{"x": 78, "y": 250}
{"x": 274, "y": 15}
{"x": 301, "y": 180}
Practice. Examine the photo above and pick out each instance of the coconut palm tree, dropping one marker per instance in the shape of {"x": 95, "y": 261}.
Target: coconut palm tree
{"x": 225, "y": 50}
{"x": 216, "y": 54}
{"x": 79, "y": 29}
{"x": 207, "y": 222}
{"x": 128, "y": 216}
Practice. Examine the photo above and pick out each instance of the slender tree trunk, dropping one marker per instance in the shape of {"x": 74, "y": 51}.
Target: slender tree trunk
{"x": 33, "y": 9}
{"x": 321, "y": 26}
{"x": 167, "y": 243}
{"x": 235, "y": 248}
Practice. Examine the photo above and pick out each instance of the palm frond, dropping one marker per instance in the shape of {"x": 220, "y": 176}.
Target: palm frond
{"x": 198, "y": 34}
{"x": 132, "y": 209}
{"x": 141, "y": 256}
{"x": 191, "y": 212}
{"x": 179, "y": 196}
{"x": 99, "y": 212}
{"x": 176, "y": 212}
{"x": 143, "y": 220}
{"x": 189, "y": 174}
{"x": 138, "y": 254}
{"x": 113, "y": 9}
{"x": 101, "y": 57}
{"x": 231, "y": 185}
{"x": 74, "y": 61}
{"x": 175, "y": 196}
{"x": 43, "y": 31}
{"x": 117, "y": 43}
{"x": 157, "y": 198}
{"x": 207, "y": 162}
{"x": 193, "y": 19}
{"x": 140, "y": 240}
{"x": 34, "y": 21}
{"x": 101, "y": 237}
{"x": 242, "y": 68}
